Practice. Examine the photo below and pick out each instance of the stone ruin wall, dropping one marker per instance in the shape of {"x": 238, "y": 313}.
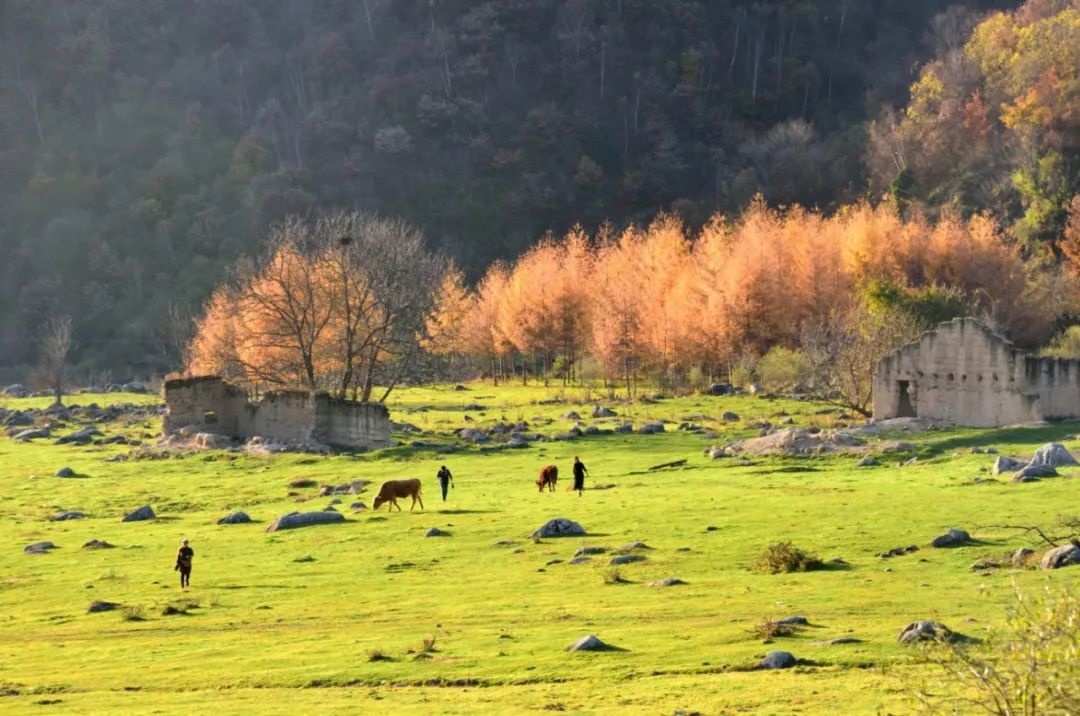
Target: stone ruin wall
{"x": 346, "y": 422}
{"x": 209, "y": 404}
{"x": 288, "y": 416}
{"x": 964, "y": 374}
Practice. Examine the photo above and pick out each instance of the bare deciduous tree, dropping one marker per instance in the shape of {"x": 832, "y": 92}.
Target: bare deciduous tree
{"x": 55, "y": 344}
{"x": 844, "y": 348}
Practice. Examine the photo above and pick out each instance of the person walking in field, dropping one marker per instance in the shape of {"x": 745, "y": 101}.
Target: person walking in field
{"x": 183, "y": 563}
{"x": 579, "y": 475}
{"x": 446, "y": 481}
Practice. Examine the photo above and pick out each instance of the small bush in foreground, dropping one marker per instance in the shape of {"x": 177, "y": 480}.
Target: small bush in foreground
{"x": 1030, "y": 666}
{"x": 786, "y": 557}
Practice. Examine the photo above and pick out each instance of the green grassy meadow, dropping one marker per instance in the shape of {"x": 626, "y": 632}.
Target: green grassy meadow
{"x": 334, "y": 618}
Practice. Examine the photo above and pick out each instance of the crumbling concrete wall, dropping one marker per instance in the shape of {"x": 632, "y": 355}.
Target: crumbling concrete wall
{"x": 209, "y": 404}
{"x": 347, "y": 422}
{"x": 963, "y": 373}
{"x": 287, "y": 416}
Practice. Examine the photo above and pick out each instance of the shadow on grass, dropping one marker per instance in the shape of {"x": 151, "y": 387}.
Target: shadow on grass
{"x": 456, "y": 511}
{"x": 1053, "y": 432}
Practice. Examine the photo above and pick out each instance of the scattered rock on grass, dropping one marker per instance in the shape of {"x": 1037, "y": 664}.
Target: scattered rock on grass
{"x": 559, "y": 527}
{"x": 1061, "y": 556}
{"x": 32, "y": 434}
{"x": 581, "y": 560}
{"x": 97, "y": 544}
{"x": 589, "y": 643}
{"x": 65, "y": 472}
{"x": 235, "y": 518}
{"x": 1006, "y": 464}
{"x": 778, "y": 660}
{"x": 626, "y": 559}
{"x": 143, "y": 513}
{"x": 794, "y": 621}
{"x": 1020, "y": 557}
{"x": 867, "y": 461}
{"x": 925, "y": 630}
{"x": 589, "y": 550}
{"x": 729, "y": 417}
{"x": 952, "y": 538}
{"x": 1033, "y": 472}
{"x": 436, "y": 532}
{"x": 39, "y": 547}
{"x": 631, "y": 547}
{"x": 667, "y": 582}
{"x": 67, "y": 515}
{"x": 1054, "y": 455}
{"x": 101, "y": 606}
{"x": 304, "y": 519}
{"x": 899, "y": 551}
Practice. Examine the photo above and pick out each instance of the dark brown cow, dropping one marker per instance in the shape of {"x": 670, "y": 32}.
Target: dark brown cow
{"x": 393, "y": 489}
{"x": 549, "y": 475}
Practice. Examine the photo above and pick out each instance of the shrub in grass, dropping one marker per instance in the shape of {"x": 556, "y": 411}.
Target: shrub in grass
{"x": 786, "y": 557}
{"x": 179, "y": 606}
{"x": 378, "y": 655}
{"x": 769, "y": 629}
{"x": 612, "y": 575}
{"x": 133, "y": 614}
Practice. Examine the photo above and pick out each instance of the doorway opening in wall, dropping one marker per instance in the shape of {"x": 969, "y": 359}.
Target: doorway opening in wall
{"x": 904, "y": 408}
{"x": 209, "y": 418}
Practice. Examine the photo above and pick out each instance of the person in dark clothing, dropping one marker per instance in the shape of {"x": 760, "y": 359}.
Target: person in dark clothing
{"x": 579, "y": 476}
{"x": 183, "y": 563}
{"x": 446, "y": 480}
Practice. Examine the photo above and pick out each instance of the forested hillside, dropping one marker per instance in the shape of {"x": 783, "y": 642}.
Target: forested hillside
{"x": 145, "y": 144}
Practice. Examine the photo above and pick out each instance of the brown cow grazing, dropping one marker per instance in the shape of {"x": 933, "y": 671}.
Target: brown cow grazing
{"x": 549, "y": 475}
{"x": 393, "y": 489}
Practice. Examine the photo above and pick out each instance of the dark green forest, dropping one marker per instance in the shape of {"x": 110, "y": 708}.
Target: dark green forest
{"x": 145, "y": 144}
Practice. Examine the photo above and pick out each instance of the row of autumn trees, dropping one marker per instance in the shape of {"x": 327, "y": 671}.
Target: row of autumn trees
{"x": 660, "y": 300}
{"x": 348, "y": 301}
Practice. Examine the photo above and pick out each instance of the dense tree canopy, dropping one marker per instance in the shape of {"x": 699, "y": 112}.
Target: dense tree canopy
{"x": 144, "y": 144}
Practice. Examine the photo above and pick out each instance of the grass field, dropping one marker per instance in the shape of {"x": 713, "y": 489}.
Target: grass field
{"x": 335, "y": 617}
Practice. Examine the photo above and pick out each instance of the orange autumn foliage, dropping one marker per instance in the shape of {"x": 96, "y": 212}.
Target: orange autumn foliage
{"x": 657, "y": 299}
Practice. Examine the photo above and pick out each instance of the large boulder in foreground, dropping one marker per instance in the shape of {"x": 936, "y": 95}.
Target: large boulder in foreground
{"x": 1054, "y": 455}
{"x": 1061, "y": 557}
{"x": 559, "y": 527}
{"x": 143, "y": 513}
{"x": 304, "y": 519}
